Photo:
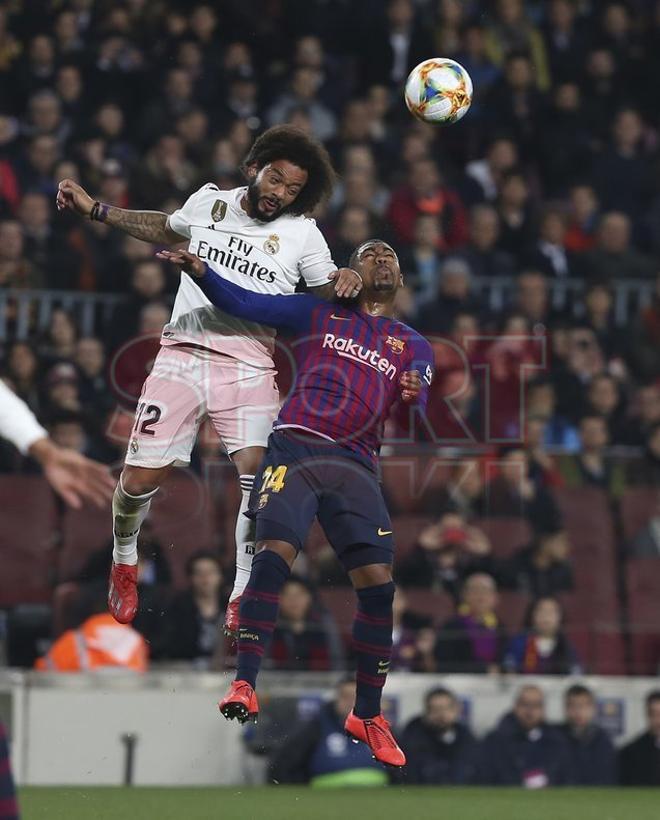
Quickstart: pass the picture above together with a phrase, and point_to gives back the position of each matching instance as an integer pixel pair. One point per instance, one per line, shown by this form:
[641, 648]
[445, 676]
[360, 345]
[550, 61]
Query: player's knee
[371, 575]
[285, 551]
[140, 480]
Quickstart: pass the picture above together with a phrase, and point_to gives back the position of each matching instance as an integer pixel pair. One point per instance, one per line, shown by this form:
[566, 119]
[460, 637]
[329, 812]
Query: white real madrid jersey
[266, 257]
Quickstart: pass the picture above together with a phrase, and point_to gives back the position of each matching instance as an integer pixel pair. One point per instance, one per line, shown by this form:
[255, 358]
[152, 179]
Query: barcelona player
[355, 364]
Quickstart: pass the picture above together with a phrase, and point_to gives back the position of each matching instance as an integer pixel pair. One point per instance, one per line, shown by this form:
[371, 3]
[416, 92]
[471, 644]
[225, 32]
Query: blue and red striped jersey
[348, 362]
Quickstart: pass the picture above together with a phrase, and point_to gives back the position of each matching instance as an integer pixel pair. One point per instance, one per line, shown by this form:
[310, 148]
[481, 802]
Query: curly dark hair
[292, 144]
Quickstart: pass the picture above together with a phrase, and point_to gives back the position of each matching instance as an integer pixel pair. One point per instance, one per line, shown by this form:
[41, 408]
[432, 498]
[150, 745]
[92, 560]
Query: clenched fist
[74, 197]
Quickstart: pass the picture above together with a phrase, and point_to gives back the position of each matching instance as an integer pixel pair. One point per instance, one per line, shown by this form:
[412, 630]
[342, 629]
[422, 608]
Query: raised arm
[277, 310]
[150, 226]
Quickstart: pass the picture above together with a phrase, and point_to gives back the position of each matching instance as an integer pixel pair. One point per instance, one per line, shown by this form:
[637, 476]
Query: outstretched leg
[130, 506]
[259, 606]
[372, 642]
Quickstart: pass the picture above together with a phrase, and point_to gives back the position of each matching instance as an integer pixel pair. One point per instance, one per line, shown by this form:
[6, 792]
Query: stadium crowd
[523, 749]
[551, 179]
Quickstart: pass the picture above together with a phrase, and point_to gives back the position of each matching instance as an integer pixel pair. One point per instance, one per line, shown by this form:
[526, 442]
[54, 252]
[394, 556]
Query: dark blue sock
[259, 605]
[372, 642]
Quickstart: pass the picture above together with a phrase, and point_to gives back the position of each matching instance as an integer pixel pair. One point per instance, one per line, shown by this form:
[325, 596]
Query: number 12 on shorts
[273, 478]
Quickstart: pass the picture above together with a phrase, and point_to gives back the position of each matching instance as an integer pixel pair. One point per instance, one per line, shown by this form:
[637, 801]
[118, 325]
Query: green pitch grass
[299, 803]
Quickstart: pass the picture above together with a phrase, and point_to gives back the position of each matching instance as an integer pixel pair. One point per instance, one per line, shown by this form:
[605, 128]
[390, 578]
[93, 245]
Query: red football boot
[240, 702]
[232, 618]
[122, 592]
[377, 734]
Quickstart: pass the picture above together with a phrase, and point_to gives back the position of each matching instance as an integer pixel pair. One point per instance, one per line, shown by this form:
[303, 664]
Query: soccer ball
[438, 91]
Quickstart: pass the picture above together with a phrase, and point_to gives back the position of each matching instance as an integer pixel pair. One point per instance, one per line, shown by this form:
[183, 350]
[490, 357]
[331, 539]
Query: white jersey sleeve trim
[17, 422]
[315, 264]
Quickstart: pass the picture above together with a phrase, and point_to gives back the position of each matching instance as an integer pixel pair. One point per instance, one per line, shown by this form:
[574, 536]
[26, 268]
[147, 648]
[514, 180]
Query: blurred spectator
[473, 641]
[565, 40]
[52, 258]
[513, 493]
[422, 262]
[646, 542]
[99, 643]
[452, 295]
[645, 415]
[305, 83]
[23, 371]
[426, 192]
[147, 285]
[591, 752]
[565, 142]
[543, 649]
[60, 340]
[446, 552]
[582, 220]
[440, 749]
[639, 760]
[514, 210]
[533, 298]
[411, 649]
[511, 31]
[605, 400]
[622, 172]
[599, 316]
[90, 360]
[16, 271]
[541, 568]
[549, 255]
[541, 403]
[62, 388]
[515, 104]
[646, 471]
[317, 751]
[613, 257]
[490, 172]
[354, 226]
[592, 467]
[524, 750]
[481, 253]
[646, 338]
[305, 637]
[393, 44]
[193, 621]
[542, 468]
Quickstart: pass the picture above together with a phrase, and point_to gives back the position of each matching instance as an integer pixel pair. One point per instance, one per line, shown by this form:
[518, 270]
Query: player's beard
[254, 195]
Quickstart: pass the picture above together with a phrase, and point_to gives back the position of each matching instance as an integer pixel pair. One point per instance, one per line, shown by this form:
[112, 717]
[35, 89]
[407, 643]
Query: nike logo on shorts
[340, 318]
[384, 532]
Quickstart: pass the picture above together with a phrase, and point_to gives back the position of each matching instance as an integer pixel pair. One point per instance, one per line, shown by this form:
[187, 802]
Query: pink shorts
[185, 386]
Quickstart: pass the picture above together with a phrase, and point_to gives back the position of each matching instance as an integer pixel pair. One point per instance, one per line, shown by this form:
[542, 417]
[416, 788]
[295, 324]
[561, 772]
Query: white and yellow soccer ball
[438, 91]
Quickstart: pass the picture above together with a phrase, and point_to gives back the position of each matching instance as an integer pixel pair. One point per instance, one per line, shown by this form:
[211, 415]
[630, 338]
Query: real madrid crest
[272, 244]
[134, 446]
[218, 210]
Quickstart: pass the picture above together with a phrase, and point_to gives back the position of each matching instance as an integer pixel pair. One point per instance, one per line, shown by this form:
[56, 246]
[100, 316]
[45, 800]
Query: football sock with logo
[372, 642]
[259, 605]
[128, 513]
[244, 539]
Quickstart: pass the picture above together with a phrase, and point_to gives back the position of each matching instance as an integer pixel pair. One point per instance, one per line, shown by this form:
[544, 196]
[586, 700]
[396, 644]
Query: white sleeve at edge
[315, 263]
[17, 422]
[183, 218]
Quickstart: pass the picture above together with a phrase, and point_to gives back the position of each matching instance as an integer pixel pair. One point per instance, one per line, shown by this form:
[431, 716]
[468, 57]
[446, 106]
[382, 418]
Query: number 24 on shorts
[273, 478]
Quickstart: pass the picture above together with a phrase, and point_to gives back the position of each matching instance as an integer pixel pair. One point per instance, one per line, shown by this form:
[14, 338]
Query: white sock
[128, 513]
[244, 539]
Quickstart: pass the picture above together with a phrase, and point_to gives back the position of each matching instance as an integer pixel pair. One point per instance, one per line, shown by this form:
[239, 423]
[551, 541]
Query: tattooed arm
[151, 226]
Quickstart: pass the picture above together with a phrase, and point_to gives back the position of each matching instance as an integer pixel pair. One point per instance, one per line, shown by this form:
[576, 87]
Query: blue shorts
[304, 476]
